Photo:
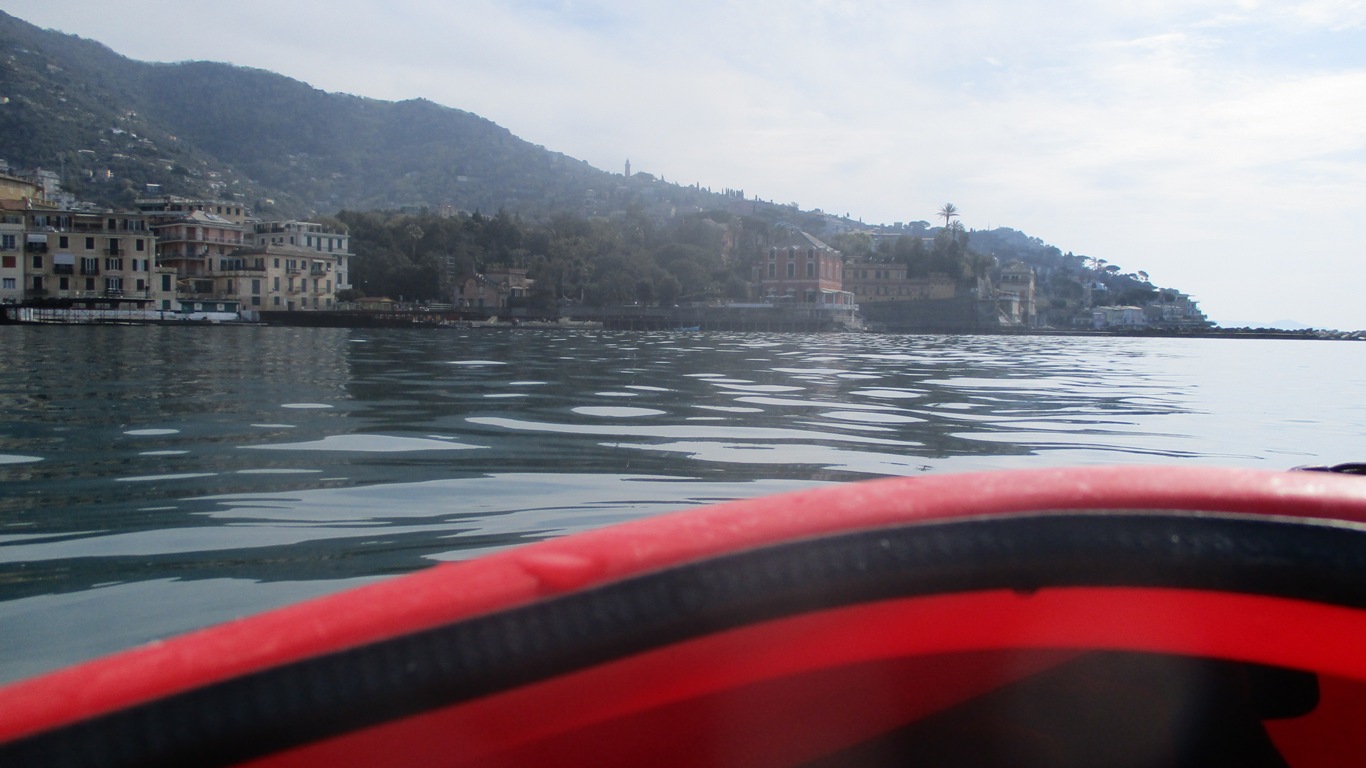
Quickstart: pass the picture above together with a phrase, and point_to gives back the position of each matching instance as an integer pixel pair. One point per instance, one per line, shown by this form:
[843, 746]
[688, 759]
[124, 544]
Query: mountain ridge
[115, 125]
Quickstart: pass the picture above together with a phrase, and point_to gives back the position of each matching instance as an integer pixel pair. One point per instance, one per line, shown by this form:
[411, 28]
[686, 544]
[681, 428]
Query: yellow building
[310, 236]
[279, 278]
[93, 256]
[874, 281]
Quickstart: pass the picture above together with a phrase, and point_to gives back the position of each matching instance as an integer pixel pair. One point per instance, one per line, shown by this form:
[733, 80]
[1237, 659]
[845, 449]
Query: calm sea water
[158, 479]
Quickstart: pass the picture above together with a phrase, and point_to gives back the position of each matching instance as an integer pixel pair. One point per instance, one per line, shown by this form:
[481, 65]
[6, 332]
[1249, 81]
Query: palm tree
[949, 211]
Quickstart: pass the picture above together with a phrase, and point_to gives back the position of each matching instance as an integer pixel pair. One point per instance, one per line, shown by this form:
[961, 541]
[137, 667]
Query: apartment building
[279, 278]
[309, 236]
[17, 196]
[93, 256]
[11, 256]
[168, 207]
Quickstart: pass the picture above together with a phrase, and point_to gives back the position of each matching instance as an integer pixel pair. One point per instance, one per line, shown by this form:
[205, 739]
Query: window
[37, 262]
[277, 277]
[9, 262]
[277, 266]
[791, 269]
[141, 245]
[256, 301]
[8, 243]
[113, 285]
[165, 282]
[256, 287]
[810, 269]
[64, 283]
[90, 243]
[113, 264]
[9, 284]
[277, 301]
[63, 242]
[90, 283]
[37, 282]
[142, 285]
[772, 269]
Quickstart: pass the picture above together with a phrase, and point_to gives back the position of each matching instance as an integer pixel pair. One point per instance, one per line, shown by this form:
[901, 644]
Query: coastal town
[173, 259]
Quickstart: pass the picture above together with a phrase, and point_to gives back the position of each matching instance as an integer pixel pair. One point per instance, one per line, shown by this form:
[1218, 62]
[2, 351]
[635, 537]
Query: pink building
[804, 270]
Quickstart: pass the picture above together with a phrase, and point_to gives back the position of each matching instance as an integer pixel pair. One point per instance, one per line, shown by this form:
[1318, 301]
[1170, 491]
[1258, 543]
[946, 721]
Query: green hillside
[112, 125]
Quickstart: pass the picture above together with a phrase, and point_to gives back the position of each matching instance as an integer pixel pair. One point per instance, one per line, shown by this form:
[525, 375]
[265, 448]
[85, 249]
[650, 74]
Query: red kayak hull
[1000, 579]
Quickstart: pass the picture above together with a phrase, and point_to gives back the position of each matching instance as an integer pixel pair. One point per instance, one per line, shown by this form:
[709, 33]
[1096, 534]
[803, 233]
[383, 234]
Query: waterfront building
[803, 269]
[11, 256]
[278, 278]
[1118, 317]
[1175, 310]
[493, 290]
[98, 258]
[16, 196]
[1015, 296]
[193, 244]
[194, 239]
[872, 282]
[312, 236]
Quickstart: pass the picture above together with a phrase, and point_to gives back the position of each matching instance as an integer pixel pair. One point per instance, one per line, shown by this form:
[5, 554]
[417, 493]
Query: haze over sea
[158, 479]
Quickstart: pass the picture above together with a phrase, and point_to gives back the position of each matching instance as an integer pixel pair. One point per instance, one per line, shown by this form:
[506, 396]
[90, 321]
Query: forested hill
[112, 125]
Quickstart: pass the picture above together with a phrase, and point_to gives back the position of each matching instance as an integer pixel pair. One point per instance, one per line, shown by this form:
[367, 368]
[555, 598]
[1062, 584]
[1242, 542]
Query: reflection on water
[179, 473]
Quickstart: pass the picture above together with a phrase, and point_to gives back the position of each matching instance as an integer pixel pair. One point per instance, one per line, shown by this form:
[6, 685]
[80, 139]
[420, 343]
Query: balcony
[171, 237]
[43, 293]
[180, 256]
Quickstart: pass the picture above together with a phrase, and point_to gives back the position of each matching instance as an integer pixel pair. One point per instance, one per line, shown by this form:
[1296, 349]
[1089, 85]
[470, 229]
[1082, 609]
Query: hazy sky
[1220, 146]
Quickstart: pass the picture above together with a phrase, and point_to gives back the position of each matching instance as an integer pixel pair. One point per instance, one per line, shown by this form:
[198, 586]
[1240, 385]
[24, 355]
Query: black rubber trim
[319, 697]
